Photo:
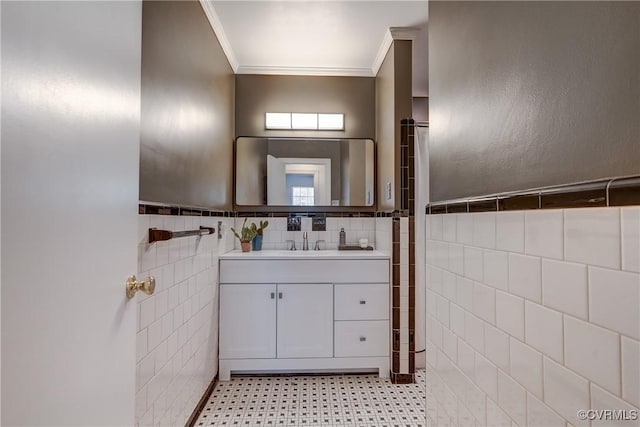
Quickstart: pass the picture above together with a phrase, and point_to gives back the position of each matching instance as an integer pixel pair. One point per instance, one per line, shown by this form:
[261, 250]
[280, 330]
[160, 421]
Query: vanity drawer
[362, 338]
[361, 302]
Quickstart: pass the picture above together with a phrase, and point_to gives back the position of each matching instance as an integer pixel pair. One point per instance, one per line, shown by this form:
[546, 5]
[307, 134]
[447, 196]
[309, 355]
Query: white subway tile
[141, 344]
[464, 293]
[436, 227]
[565, 391]
[449, 224]
[510, 314]
[525, 278]
[484, 229]
[496, 417]
[442, 310]
[145, 370]
[496, 269]
[474, 332]
[592, 236]
[436, 333]
[614, 297]
[487, 376]
[526, 366]
[564, 287]
[154, 334]
[434, 279]
[510, 231]
[543, 330]
[543, 233]
[464, 229]
[465, 417]
[449, 285]
[512, 398]
[631, 239]
[497, 347]
[473, 263]
[467, 360]
[593, 352]
[449, 344]
[456, 259]
[147, 312]
[601, 399]
[631, 370]
[456, 319]
[141, 403]
[540, 415]
[484, 302]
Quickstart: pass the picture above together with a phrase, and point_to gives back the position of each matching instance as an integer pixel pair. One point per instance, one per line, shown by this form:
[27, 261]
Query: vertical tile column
[403, 264]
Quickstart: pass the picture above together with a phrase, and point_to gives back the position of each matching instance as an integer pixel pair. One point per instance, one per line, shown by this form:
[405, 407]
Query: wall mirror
[304, 172]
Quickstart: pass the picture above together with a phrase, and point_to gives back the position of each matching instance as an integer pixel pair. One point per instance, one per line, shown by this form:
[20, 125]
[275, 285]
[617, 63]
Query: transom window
[302, 196]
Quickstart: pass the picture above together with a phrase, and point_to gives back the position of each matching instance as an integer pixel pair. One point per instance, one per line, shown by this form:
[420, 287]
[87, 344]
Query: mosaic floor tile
[316, 400]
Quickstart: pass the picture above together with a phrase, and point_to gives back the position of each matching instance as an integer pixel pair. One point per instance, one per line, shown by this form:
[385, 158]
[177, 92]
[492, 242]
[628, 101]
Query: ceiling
[338, 38]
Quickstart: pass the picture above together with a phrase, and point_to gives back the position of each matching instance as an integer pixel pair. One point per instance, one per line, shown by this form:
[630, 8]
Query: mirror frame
[287, 209]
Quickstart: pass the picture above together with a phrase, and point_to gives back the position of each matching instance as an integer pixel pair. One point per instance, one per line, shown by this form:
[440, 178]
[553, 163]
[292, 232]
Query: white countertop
[310, 254]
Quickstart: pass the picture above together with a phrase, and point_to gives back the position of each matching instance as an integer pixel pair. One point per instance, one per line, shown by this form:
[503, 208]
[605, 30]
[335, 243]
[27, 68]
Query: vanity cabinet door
[248, 321]
[305, 320]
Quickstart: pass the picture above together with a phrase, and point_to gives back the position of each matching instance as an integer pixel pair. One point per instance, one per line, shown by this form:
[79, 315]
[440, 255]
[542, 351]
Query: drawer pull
[363, 339]
[273, 295]
[362, 302]
[279, 295]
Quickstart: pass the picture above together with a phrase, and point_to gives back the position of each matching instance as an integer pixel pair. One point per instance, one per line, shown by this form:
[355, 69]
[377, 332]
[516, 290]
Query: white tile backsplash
[543, 233]
[543, 330]
[564, 287]
[549, 317]
[510, 231]
[631, 238]
[510, 314]
[614, 298]
[593, 352]
[526, 366]
[601, 399]
[565, 391]
[525, 277]
[631, 371]
[592, 236]
[177, 329]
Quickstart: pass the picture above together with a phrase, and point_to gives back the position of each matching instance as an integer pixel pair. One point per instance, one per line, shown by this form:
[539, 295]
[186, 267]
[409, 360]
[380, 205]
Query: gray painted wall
[528, 94]
[186, 154]
[258, 94]
[393, 103]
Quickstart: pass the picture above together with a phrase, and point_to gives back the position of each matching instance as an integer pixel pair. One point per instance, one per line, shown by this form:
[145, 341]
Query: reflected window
[302, 196]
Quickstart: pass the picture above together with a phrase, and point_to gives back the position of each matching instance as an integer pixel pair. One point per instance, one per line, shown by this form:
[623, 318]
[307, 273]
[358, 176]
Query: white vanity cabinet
[315, 312]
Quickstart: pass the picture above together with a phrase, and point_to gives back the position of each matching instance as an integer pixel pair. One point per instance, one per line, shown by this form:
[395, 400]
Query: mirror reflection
[304, 172]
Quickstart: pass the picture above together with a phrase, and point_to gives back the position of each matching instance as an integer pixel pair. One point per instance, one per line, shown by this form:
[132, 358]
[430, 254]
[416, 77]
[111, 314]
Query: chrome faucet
[305, 242]
[317, 246]
[293, 245]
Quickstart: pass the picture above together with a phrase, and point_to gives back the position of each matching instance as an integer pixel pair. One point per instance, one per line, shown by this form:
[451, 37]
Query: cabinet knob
[273, 295]
[363, 339]
[362, 302]
[279, 295]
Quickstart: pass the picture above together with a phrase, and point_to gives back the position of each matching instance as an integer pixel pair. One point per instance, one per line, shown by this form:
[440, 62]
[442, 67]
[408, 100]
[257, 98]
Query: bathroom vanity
[304, 311]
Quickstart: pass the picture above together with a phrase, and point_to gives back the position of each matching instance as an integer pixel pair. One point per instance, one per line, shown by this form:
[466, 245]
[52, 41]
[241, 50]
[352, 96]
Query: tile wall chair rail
[618, 191]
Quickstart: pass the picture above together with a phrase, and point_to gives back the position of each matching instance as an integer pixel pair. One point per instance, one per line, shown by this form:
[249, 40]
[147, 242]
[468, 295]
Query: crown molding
[393, 33]
[305, 71]
[404, 33]
[382, 52]
[216, 25]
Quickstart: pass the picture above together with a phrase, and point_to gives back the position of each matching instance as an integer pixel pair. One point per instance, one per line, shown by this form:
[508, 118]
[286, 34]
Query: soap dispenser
[343, 238]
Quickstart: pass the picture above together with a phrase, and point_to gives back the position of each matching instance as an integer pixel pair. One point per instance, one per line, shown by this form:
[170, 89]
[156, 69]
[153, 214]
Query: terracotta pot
[246, 246]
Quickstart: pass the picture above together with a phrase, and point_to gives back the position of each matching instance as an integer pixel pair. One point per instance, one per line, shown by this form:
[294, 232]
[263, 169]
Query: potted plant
[246, 236]
[257, 240]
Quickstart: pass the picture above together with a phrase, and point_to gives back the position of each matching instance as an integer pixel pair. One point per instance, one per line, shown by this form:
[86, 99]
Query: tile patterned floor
[322, 400]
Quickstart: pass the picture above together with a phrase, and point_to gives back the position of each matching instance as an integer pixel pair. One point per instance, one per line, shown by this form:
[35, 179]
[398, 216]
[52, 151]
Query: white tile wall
[177, 350]
[276, 234]
[544, 309]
